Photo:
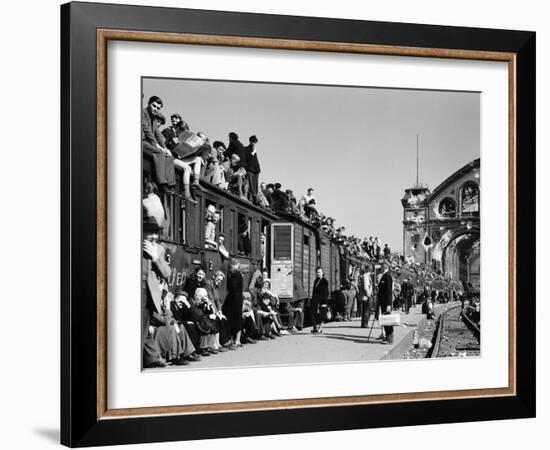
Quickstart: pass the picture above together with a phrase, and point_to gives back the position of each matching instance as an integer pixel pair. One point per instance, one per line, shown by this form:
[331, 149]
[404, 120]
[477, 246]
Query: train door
[282, 257]
[306, 270]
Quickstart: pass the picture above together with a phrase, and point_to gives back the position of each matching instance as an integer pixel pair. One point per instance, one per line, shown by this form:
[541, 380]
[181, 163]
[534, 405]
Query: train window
[221, 220]
[243, 229]
[211, 220]
[282, 242]
[183, 224]
[168, 232]
[306, 240]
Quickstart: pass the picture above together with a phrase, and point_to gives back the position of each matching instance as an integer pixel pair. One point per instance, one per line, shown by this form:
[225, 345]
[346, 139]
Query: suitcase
[390, 320]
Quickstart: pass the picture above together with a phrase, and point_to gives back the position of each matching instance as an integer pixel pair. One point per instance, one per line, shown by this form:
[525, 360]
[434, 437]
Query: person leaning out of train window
[243, 244]
[153, 143]
[213, 288]
[211, 220]
[221, 247]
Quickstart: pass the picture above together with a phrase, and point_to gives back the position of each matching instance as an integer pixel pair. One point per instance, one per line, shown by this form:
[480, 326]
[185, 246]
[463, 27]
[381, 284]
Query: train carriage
[293, 258]
[184, 233]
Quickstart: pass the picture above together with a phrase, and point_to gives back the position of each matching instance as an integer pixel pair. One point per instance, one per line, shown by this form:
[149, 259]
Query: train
[288, 247]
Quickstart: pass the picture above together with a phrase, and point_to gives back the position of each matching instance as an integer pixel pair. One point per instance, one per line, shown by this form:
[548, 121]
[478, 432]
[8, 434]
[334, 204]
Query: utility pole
[417, 185]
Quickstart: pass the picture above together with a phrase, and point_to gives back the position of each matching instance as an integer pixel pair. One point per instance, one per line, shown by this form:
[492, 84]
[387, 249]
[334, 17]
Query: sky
[356, 146]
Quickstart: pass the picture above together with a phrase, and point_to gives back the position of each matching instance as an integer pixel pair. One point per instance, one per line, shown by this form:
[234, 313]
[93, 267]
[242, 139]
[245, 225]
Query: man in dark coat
[385, 294]
[235, 147]
[252, 166]
[279, 199]
[233, 305]
[319, 299]
[407, 291]
[153, 143]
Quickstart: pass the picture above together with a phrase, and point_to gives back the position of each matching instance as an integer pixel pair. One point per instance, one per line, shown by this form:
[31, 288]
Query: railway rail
[457, 334]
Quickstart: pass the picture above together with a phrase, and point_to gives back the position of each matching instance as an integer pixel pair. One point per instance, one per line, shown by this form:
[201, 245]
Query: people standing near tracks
[385, 294]
[319, 298]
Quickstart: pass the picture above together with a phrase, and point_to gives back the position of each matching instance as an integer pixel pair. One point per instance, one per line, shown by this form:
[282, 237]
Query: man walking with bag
[385, 294]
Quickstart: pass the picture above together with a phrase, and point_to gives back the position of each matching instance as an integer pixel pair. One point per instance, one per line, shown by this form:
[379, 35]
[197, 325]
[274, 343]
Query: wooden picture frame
[85, 30]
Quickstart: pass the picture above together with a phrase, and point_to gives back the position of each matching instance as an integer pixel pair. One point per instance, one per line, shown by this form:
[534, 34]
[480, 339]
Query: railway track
[457, 334]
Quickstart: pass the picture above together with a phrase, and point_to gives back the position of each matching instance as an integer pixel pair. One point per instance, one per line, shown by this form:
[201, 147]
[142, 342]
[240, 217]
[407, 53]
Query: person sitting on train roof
[235, 175]
[215, 171]
[191, 161]
[235, 148]
[268, 193]
[280, 201]
[172, 132]
[210, 228]
[293, 203]
[311, 211]
[262, 199]
[152, 143]
[306, 198]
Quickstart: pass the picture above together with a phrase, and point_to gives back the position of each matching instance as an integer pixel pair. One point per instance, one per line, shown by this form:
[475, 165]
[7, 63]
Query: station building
[441, 227]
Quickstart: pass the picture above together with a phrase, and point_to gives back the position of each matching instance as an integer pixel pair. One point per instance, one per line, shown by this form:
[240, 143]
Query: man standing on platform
[407, 290]
[319, 298]
[385, 294]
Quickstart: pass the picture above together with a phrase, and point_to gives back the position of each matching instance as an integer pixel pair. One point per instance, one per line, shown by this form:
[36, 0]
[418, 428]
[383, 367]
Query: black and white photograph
[297, 224]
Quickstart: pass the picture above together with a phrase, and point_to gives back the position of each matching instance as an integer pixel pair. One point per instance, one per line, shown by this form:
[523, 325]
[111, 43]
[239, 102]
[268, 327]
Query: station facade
[441, 227]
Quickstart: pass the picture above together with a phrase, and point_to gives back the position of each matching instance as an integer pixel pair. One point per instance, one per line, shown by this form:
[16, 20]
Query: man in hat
[252, 166]
[153, 143]
[385, 296]
[154, 269]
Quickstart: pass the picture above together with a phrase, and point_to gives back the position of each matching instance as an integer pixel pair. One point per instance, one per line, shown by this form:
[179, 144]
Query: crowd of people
[194, 321]
[236, 168]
